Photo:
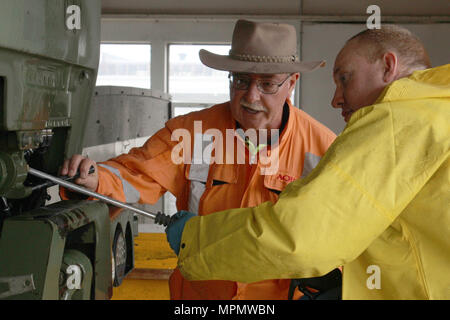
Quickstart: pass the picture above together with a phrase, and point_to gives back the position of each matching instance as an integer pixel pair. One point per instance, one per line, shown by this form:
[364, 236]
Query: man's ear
[391, 69]
[293, 79]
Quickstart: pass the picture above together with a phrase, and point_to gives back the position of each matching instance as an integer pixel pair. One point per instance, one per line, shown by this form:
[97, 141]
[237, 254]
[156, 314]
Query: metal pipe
[65, 178]
[84, 191]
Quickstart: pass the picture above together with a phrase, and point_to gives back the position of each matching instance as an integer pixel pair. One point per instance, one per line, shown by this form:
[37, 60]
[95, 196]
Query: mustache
[254, 106]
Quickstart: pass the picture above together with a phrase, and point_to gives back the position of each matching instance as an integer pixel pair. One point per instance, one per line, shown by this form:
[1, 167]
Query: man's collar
[285, 117]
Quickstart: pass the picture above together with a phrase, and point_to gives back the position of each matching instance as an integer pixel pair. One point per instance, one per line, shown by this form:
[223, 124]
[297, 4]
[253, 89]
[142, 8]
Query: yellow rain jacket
[377, 203]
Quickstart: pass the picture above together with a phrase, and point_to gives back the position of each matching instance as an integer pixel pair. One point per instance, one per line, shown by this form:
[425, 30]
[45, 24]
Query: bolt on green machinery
[77, 249]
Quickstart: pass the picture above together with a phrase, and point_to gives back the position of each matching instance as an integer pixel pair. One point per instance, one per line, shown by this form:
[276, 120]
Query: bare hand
[81, 164]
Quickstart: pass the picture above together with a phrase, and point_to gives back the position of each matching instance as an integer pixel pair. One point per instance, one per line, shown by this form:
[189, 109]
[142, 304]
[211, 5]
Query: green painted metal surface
[47, 74]
[35, 243]
[49, 53]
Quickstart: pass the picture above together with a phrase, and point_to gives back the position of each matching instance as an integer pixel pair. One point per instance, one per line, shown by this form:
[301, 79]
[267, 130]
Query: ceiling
[279, 7]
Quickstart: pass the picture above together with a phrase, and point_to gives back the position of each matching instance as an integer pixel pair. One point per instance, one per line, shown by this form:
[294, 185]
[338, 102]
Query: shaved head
[370, 61]
[373, 43]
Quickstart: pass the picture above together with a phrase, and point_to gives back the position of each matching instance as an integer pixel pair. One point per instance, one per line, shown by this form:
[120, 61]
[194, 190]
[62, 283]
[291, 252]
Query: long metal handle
[84, 191]
[65, 178]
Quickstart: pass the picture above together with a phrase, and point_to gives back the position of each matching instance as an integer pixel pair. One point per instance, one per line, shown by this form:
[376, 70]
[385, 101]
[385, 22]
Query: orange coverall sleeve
[145, 173]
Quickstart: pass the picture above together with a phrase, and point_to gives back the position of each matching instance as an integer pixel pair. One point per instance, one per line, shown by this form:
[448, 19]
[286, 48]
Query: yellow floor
[132, 289]
[151, 251]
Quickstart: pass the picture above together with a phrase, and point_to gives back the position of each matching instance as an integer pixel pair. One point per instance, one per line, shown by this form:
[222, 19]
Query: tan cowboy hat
[259, 47]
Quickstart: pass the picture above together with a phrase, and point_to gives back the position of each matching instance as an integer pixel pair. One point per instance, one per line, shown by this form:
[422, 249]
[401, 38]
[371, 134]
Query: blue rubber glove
[175, 229]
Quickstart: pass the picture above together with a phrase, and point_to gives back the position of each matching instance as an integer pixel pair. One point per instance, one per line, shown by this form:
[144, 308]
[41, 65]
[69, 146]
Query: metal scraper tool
[159, 217]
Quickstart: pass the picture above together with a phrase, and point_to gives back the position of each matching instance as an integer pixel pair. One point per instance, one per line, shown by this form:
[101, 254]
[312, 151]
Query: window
[126, 65]
[180, 109]
[194, 86]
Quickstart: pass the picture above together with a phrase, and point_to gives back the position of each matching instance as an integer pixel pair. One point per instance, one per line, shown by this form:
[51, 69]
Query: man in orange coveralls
[240, 153]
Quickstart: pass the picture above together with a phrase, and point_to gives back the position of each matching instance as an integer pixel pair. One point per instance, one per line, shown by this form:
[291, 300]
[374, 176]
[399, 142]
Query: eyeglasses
[241, 82]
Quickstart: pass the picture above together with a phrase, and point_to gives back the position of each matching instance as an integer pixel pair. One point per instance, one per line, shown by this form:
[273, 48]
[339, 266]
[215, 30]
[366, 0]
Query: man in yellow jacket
[235, 154]
[378, 202]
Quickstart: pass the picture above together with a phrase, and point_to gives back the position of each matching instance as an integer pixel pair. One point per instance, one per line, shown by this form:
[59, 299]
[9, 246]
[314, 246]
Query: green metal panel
[25, 249]
[48, 72]
[38, 27]
[34, 244]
